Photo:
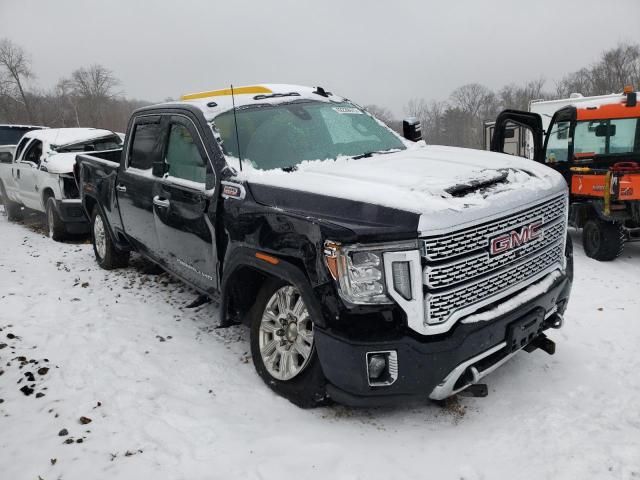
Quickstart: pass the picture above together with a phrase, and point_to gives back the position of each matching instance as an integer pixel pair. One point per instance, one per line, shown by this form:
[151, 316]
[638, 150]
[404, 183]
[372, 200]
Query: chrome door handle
[161, 202]
[121, 188]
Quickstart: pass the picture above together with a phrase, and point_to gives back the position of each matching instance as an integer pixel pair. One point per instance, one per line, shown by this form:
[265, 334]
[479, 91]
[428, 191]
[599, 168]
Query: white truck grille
[460, 274]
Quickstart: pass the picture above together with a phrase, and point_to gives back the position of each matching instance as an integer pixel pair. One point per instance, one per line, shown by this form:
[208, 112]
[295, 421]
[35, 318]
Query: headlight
[360, 273]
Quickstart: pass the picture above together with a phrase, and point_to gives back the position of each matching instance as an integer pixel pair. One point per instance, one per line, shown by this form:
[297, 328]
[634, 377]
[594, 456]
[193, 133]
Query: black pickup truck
[369, 267]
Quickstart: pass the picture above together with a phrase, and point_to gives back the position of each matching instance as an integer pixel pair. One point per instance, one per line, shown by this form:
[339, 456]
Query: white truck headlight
[360, 272]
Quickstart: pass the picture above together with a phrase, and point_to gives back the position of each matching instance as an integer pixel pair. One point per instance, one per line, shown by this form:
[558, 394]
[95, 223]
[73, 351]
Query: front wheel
[282, 346]
[602, 240]
[57, 230]
[107, 255]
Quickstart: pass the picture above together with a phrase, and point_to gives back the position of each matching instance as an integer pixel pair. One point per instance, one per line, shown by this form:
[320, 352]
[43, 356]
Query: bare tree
[518, 97]
[380, 113]
[17, 67]
[616, 68]
[91, 89]
[473, 99]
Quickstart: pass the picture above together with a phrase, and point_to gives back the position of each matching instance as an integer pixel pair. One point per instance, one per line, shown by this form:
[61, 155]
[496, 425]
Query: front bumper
[72, 215]
[428, 366]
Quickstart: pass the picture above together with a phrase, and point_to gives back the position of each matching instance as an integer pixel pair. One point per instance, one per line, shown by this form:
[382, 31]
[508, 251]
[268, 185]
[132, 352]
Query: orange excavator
[596, 147]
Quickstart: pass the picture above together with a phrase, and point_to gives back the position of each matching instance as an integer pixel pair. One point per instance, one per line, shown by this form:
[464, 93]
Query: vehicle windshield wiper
[375, 152]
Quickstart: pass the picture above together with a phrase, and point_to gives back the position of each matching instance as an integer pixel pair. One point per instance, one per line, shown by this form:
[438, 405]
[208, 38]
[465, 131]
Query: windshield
[284, 135]
[12, 135]
[600, 137]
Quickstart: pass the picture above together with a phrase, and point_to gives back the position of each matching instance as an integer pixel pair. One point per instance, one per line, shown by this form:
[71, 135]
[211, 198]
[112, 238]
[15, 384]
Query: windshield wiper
[375, 152]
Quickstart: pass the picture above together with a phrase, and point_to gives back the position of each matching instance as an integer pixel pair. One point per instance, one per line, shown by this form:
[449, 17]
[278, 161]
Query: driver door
[184, 222]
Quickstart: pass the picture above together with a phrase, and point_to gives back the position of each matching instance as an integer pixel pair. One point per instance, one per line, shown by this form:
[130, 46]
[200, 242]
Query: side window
[183, 157]
[34, 152]
[558, 143]
[146, 146]
[587, 141]
[20, 147]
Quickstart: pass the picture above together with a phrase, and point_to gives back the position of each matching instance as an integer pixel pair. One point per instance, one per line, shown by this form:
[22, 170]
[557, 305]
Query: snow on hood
[420, 179]
[60, 162]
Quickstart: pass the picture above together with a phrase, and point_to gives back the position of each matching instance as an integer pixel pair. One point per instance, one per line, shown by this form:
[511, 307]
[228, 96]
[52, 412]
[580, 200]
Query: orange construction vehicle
[596, 147]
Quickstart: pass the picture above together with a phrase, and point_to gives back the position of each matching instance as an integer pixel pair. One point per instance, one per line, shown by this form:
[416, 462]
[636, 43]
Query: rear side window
[146, 146]
[183, 157]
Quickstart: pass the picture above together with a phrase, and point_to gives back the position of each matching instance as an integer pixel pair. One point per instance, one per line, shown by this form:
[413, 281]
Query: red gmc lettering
[515, 238]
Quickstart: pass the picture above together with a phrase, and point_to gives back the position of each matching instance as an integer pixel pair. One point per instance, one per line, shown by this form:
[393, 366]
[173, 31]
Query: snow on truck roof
[215, 102]
[66, 136]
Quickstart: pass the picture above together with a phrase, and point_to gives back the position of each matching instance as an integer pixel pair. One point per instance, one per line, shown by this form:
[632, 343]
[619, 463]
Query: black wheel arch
[244, 275]
[90, 203]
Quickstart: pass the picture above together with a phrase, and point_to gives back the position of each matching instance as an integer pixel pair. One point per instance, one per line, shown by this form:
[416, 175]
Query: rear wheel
[282, 347]
[107, 255]
[57, 230]
[602, 240]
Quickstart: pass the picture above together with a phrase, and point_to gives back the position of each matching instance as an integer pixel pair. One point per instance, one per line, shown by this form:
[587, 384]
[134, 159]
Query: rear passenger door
[185, 229]
[135, 183]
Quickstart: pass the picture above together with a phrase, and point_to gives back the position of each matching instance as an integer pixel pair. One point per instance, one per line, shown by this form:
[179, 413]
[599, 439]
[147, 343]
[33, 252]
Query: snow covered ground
[170, 396]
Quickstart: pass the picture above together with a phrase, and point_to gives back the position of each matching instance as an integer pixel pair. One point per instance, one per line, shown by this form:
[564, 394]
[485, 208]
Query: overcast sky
[382, 52]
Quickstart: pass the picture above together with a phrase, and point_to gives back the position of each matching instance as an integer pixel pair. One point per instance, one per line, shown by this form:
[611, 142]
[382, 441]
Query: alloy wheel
[286, 334]
[99, 236]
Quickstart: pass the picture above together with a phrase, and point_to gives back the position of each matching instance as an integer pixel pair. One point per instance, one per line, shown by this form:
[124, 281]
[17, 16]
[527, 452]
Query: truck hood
[58, 163]
[430, 181]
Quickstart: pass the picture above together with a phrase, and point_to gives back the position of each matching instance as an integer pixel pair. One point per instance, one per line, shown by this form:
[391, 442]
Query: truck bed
[97, 174]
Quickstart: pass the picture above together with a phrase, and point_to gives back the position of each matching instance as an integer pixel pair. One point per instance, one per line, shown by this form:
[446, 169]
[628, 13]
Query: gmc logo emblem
[515, 238]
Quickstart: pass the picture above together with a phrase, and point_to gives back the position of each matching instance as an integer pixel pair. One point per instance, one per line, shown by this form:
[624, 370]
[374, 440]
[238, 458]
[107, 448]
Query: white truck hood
[58, 163]
[423, 180]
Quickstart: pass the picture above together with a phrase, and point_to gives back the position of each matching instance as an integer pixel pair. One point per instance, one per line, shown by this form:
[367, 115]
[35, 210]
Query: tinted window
[183, 157]
[20, 147]
[11, 135]
[34, 152]
[284, 135]
[146, 146]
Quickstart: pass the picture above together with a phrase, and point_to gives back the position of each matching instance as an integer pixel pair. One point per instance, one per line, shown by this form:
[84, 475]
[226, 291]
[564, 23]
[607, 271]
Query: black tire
[57, 230]
[568, 252]
[111, 257]
[307, 389]
[602, 240]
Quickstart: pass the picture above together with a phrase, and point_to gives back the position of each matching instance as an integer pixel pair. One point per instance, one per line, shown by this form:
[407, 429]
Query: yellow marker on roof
[227, 91]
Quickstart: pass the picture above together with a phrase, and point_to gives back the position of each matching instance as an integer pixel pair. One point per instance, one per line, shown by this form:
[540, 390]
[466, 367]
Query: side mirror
[412, 129]
[6, 157]
[158, 169]
[605, 130]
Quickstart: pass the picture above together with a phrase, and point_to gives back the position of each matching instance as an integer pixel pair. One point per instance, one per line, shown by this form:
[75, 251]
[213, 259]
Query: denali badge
[515, 238]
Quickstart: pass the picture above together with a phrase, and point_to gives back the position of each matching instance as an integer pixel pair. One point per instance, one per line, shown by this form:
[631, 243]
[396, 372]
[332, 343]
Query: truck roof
[13, 125]
[66, 136]
[214, 102]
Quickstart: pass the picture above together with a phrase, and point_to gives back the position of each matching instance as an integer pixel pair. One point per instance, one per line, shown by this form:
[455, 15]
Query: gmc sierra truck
[369, 267]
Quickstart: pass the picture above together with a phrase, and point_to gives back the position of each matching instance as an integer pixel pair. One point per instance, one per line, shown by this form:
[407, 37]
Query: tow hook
[543, 343]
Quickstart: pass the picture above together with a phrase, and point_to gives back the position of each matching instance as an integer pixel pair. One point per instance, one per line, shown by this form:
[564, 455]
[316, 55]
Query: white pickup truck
[40, 176]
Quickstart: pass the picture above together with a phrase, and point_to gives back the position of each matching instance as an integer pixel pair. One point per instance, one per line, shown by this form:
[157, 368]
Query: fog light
[377, 365]
[382, 368]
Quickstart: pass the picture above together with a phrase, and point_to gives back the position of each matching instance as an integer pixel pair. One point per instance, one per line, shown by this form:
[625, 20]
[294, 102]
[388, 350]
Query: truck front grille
[460, 275]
